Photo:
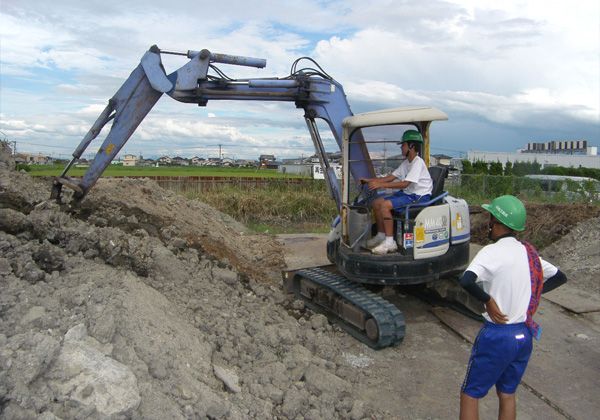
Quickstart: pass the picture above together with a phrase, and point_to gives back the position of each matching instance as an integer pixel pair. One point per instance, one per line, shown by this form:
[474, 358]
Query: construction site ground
[421, 378]
[140, 304]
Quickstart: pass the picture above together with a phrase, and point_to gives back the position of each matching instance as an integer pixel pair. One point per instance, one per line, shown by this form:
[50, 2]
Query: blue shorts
[400, 198]
[499, 357]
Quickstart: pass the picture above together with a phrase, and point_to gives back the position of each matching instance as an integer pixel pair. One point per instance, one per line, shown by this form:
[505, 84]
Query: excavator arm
[310, 89]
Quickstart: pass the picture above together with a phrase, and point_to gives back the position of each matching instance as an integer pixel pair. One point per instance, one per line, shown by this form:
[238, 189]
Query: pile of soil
[546, 222]
[140, 304]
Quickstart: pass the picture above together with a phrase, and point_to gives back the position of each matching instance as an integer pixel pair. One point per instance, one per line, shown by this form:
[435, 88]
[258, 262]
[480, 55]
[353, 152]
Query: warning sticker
[408, 240]
[420, 234]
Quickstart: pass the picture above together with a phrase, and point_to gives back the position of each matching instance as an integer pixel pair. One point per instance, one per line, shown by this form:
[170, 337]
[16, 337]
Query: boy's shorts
[499, 357]
[400, 198]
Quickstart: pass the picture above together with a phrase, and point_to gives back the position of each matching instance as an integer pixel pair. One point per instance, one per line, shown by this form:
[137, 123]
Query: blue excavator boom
[310, 89]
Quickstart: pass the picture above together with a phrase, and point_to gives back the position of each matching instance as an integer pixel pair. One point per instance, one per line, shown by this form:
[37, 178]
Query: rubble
[140, 304]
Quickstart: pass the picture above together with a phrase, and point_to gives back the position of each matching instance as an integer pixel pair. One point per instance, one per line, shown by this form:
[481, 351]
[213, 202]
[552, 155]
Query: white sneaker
[374, 241]
[385, 247]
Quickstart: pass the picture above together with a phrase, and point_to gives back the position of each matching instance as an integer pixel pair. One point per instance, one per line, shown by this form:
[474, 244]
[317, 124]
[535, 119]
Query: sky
[506, 73]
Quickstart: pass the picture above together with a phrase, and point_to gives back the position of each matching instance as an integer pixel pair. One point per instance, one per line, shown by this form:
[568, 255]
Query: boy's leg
[508, 406]
[386, 218]
[377, 212]
[469, 407]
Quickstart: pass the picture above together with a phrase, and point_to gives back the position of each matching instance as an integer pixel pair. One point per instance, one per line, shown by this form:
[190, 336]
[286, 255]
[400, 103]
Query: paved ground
[421, 378]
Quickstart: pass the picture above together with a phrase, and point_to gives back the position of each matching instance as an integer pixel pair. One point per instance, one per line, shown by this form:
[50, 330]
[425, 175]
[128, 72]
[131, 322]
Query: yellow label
[420, 234]
[109, 148]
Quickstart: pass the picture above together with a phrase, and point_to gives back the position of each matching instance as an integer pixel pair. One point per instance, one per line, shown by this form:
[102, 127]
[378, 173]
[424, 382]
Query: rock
[294, 402]
[318, 322]
[35, 355]
[229, 378]
[35, 317]
[227, 276]
[358, 410]
[319, 381]
[83, 375]
[49, 257]
[12, 221]
[5, 267]
[104, 327]
[7, 162]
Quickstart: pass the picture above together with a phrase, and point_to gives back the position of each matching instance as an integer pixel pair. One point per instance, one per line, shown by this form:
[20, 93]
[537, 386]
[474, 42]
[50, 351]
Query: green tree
[526, 168]
[496, 168]
[467, 168]
[508, 169]
[480, 167]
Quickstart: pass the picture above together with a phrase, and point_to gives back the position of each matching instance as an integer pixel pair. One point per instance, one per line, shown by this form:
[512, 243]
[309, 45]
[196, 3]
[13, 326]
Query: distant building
[164, 160]
[146, 162]
[570, 147]
[129, 160]
[303, 169]
[181, 161]
[197, 161]
[29, 159]
[244, 162]
[440, 160]
[569, 154]
[266, 159]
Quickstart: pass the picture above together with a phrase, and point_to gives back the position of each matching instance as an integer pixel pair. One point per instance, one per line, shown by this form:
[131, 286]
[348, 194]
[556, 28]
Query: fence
[473, 188]
[199, 184]
[480, 188]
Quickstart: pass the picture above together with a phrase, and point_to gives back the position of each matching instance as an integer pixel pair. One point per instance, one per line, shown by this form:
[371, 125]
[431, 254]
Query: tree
[467, 168]
[496, 168]
[480, 167]
[508, 169]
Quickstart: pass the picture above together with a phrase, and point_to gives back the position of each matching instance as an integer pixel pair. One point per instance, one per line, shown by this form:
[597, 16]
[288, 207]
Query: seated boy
[415, 183]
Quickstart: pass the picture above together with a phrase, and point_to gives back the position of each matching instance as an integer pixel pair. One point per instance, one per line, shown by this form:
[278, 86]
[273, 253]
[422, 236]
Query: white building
[129, 160]
[569, 154]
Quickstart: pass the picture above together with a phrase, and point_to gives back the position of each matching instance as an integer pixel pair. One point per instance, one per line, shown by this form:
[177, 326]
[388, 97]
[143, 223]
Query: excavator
[432, 237]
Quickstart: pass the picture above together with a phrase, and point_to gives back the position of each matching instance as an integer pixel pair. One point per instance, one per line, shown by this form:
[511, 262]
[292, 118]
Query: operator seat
[438, 176]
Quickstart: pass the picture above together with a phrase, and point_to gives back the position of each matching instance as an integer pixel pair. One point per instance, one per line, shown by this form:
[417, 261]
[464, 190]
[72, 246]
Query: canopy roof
[412, 114]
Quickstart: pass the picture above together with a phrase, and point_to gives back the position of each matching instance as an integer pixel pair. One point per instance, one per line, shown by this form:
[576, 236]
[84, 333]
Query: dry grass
[279, 207]
[546, 222]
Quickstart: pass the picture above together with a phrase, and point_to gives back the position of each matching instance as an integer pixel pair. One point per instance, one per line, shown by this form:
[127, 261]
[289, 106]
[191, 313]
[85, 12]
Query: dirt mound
[546, 222]
[140, 304]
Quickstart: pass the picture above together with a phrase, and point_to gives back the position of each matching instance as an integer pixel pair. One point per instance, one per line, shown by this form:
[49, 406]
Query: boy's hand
[495, 313]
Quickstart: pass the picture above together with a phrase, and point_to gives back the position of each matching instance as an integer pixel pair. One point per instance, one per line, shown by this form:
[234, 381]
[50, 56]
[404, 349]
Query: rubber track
[389, 319]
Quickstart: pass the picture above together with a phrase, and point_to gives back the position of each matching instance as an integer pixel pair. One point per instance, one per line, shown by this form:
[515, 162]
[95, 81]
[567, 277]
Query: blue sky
[506, 73]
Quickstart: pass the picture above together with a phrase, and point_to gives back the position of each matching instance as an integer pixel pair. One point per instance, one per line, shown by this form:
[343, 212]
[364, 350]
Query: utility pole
[220, 160]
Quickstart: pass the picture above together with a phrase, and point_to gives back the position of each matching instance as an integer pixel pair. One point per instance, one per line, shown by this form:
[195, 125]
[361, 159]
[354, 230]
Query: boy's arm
[468, 282]
[555, 281]
[384, 182]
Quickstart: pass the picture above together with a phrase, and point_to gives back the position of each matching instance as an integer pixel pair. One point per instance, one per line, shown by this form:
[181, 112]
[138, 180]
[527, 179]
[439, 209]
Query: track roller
[361, 313]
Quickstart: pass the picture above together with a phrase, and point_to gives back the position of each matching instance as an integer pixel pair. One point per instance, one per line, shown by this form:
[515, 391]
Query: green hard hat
[412, 135]
[509, 210]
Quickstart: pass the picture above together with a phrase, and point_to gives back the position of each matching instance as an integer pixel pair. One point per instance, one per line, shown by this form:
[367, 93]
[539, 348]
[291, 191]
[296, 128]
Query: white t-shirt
[417, 173]
[503, 270]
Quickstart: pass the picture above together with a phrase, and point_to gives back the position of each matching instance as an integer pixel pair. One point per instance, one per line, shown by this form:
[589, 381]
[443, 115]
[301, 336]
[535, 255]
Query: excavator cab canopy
[402, 115]
[373, 138]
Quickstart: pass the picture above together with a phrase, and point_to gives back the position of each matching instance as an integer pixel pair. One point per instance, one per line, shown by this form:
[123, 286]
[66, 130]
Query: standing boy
[513, 277]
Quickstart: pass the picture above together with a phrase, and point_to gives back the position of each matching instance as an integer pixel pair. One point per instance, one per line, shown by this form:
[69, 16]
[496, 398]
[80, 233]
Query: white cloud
[527, 64]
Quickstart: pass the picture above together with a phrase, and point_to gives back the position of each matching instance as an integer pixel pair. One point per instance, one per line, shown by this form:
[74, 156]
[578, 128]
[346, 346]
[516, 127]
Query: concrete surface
[421, 378]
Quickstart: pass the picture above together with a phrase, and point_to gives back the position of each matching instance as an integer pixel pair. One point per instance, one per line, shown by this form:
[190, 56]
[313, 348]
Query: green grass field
[118, 170]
